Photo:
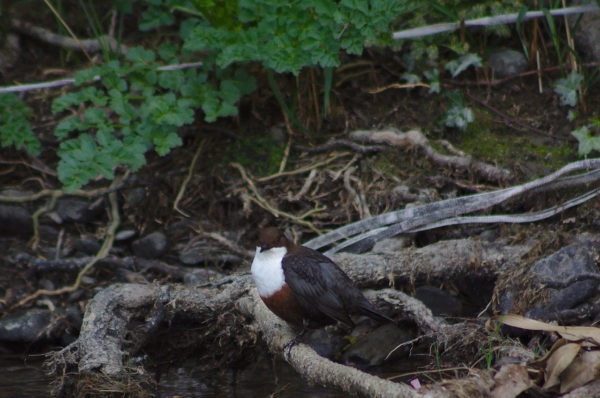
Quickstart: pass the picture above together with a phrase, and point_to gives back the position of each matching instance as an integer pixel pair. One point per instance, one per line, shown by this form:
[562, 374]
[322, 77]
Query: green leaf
[457, 66]
[140, 55]
[587, 141]
[15, 129]
[155, 17]
[568, 87]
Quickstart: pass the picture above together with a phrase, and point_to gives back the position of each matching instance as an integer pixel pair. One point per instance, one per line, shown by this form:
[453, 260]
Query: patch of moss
[261, 154]
[485, 141]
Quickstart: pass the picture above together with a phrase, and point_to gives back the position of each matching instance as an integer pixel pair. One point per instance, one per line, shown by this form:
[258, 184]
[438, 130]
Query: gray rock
[326, 344]
[135, 196]
[88, 246]
[438, 301]
[48, 233]
[78, 210]
[507, 62]
[587, 34]
[373, 349]
[25, 327]
[201, 254]
[201, 276]
[578, 258]
[15, 221]
[192, 255]
[153, 245]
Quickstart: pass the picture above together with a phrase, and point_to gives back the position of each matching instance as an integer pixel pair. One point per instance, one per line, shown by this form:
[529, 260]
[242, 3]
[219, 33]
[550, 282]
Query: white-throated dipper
[304, 287]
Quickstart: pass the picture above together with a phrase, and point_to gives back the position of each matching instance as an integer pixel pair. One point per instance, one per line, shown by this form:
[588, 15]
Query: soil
[516, 127]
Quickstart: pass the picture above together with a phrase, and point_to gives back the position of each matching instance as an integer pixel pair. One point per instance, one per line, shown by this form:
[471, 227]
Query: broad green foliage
[15, 129]
[124, 108]
[458, 115]
[459, 65]
[135, 108]
[288, 36]
[568, 87]
[588, 141]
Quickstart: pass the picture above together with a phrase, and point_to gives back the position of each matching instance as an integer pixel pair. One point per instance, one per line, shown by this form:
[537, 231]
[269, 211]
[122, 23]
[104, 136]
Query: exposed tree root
[105, 341]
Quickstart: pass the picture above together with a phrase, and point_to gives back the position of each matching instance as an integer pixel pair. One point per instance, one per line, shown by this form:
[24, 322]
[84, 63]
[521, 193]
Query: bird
[304, 287]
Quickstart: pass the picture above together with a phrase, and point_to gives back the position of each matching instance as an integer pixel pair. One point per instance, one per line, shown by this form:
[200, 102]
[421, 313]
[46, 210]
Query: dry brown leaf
[510, 381]
[571, 333]
[585, 368]
[560, 359]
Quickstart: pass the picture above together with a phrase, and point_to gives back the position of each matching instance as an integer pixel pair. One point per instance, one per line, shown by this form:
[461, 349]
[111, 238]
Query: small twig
[59, 192]
[35, 217]
[85, 45]
[488, 21]
[306, 186]
[187, 179]
[65, 82]
[66, 26]
[511, 121]
[103, 252]
[397, 85]
[286, 154]
[358, 198]
[262, 202]
[492, 83]
[341, 143]
[59, 242]
[303, 169]
[224, 241]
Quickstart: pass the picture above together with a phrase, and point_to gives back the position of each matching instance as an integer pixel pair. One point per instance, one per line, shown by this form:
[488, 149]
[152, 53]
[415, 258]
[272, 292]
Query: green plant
[15, 129]
[134, 109]
[588, 137]
[567, 88]
[459, 65]
[288, 36]
[458, 115]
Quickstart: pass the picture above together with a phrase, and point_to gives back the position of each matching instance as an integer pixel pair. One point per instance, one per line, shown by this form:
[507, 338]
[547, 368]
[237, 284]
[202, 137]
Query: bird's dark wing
[318, 283]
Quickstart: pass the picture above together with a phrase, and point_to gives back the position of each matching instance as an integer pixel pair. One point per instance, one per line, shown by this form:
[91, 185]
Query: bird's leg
[287, 348]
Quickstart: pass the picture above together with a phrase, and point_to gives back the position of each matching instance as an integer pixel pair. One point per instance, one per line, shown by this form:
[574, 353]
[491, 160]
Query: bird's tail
[373, 313]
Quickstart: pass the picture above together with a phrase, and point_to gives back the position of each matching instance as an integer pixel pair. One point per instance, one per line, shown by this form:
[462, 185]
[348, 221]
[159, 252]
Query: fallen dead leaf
[510, 381]
[560, 360]
[585, 368]
[590, 334]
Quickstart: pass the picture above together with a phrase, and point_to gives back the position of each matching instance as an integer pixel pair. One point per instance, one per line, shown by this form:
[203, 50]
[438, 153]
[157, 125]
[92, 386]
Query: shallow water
[24, 378]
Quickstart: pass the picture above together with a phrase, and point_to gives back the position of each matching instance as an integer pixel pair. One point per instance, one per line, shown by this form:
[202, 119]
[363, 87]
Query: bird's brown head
[271, 237]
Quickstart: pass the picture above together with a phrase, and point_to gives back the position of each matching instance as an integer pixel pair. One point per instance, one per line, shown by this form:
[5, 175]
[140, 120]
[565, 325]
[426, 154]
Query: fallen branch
[488, 21]
[443, 212]
[313, 367]
[71, 43]
[415, 138]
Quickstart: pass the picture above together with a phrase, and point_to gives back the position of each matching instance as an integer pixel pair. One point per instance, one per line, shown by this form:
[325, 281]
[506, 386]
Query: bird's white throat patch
[267, 270]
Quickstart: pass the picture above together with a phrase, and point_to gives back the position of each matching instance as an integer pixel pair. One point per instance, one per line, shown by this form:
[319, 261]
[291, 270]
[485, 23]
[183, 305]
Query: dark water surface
[24, 378]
